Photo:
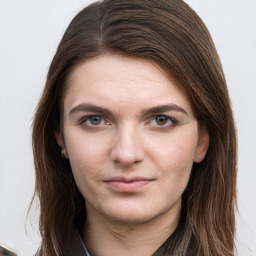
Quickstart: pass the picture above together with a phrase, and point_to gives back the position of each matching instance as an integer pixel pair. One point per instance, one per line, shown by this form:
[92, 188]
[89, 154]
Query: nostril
[126, 148]
[127, 154]
[124, 157]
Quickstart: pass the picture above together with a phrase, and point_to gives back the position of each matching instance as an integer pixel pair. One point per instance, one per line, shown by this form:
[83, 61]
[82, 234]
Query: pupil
[161, 120]
[95, 120]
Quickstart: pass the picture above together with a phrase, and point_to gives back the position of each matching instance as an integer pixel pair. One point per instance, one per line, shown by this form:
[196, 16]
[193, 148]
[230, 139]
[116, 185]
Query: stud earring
[64, 153]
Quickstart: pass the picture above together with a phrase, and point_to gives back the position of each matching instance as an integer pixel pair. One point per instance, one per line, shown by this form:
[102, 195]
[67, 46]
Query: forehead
[122, 81]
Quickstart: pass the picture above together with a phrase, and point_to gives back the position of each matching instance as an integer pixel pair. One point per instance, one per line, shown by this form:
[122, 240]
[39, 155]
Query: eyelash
[170, 120]
[85, 119]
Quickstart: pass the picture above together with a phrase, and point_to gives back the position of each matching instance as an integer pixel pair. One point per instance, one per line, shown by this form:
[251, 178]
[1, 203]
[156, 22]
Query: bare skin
[131, 137]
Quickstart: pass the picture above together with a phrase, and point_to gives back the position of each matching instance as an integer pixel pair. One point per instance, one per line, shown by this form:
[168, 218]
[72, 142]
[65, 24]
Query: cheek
[87, 157]
[86, 154]
[174, 159]
[175, 149]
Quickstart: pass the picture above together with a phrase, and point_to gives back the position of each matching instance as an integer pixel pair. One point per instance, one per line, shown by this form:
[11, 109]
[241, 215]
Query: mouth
[125, 184]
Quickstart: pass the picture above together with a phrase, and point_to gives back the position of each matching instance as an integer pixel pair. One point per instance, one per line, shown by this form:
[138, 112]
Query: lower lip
[132, 186]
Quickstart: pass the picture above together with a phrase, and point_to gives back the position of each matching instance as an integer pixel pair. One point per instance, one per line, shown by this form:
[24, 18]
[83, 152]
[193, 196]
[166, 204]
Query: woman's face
[131, 138]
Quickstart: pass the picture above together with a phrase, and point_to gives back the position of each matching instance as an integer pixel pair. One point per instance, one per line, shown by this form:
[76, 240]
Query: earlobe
[64, 153]
[61, 143]
[202, 145]
[59, 139]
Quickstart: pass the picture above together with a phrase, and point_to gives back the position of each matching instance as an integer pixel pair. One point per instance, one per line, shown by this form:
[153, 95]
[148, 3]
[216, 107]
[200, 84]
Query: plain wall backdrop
[29, 34]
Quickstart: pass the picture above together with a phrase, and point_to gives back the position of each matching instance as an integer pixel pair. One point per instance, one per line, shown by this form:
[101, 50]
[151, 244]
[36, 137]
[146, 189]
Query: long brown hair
[169, 33]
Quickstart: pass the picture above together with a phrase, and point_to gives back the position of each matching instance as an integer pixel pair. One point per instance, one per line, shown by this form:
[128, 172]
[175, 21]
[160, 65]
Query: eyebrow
[165, 108]
[88, 107]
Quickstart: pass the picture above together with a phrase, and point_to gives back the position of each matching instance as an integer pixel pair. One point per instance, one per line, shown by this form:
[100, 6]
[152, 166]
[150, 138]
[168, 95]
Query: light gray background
[29, 33]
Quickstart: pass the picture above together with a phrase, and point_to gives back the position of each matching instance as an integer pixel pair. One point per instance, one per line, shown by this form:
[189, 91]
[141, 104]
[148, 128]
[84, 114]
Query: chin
[132, 216]
[132, 220]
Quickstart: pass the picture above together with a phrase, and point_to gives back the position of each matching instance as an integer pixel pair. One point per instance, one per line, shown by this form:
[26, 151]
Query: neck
[105, 237]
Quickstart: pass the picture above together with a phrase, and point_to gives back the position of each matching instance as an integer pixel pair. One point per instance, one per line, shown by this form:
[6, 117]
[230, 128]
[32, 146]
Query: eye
[94, 120]
[163, 121]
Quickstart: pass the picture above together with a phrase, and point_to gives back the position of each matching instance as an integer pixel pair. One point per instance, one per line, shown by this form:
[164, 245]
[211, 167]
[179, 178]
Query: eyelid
[173, 121]
[163, 114]
[85, 118]
[151, 118]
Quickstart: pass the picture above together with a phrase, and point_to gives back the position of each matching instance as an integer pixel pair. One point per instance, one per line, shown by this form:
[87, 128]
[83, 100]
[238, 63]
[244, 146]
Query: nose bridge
[127, 148]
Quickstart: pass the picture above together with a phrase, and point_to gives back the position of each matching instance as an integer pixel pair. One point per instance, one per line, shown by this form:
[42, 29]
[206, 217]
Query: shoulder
[74, 245]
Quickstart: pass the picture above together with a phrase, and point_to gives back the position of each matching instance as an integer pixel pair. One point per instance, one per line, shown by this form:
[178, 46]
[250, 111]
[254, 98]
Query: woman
[134, 139]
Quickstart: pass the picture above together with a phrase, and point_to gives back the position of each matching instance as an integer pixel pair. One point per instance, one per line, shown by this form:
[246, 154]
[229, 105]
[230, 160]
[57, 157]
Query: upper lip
[127, 179]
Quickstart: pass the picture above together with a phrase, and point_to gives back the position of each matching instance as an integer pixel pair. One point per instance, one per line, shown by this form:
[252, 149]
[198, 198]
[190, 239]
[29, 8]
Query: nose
[127, 148]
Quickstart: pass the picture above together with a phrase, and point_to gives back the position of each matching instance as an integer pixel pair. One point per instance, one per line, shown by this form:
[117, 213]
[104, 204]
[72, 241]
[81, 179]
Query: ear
[60, 139]
[202, 145]
[61, 143]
